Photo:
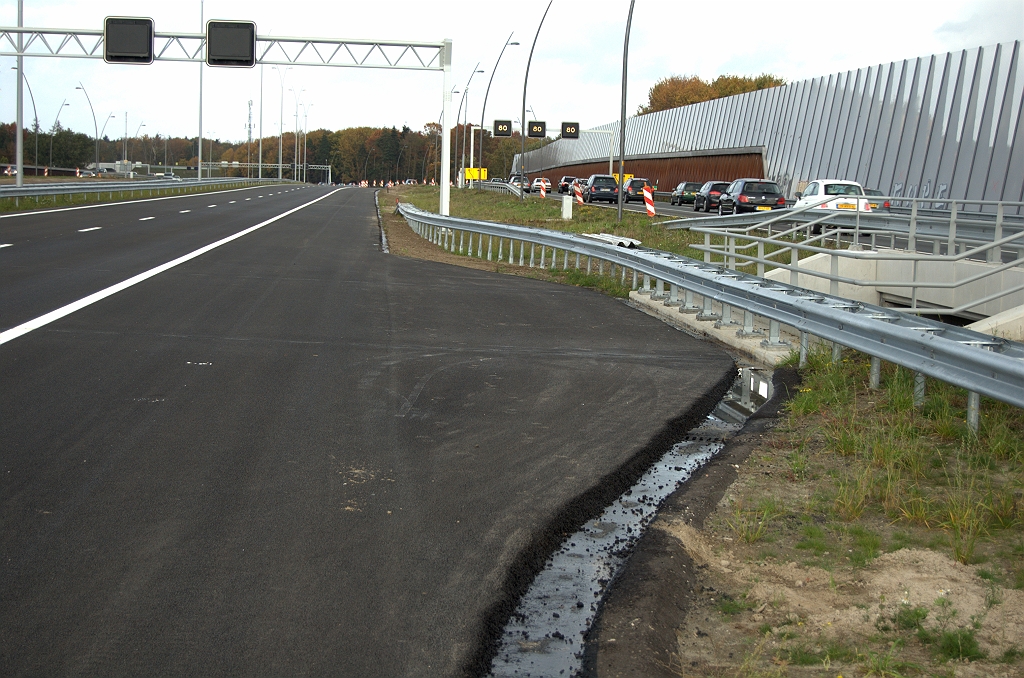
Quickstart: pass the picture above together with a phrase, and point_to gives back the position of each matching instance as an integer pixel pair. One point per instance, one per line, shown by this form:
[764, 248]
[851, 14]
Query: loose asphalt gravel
[294, 454]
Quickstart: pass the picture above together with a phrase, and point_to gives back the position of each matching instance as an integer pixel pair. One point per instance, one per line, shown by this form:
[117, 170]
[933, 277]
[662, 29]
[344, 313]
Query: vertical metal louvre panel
[947, 126]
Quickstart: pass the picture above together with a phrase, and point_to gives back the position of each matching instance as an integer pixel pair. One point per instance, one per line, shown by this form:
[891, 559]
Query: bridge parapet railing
[765, 241]
[980, 363]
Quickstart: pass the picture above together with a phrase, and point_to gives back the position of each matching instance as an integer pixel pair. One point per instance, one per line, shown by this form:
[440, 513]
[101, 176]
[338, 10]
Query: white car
[537, 183]
[837, 193]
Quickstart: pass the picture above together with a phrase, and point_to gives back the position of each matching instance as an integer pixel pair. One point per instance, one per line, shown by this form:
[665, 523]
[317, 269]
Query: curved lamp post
[35, 114]
[95, 127]
[483, 110]
[622, 118]
[526, 78]
[53, 130]
[465, 91]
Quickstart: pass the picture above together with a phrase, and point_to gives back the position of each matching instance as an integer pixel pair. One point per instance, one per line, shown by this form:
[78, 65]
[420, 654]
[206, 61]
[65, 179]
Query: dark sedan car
[635, 190]
[751, 195]
[601, 187]
[685, 193]
[564, 183]
[708, 195]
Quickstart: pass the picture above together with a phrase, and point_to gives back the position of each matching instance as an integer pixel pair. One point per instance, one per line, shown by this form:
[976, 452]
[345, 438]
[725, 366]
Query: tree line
[683, 90]
[355, 154]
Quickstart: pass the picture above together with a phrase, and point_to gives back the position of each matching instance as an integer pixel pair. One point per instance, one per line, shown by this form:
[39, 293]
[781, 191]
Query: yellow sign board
[618, 177]
[476, 173]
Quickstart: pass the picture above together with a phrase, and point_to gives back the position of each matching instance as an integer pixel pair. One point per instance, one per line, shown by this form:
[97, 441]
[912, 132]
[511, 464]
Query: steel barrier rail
[977, 362]
[68, 188]
[499, 188]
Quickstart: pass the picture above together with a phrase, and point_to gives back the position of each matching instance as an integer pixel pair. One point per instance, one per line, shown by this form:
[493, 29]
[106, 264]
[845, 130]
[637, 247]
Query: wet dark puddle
[546, 633]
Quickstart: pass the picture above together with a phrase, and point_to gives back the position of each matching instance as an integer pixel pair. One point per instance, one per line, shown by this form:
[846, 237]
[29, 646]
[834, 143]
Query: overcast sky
[575, 75]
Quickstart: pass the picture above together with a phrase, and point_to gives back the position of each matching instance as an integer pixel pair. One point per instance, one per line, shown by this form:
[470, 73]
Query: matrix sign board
[502, 128]
[231, 43]
[570, 130]
[536, 129]
[127, 40]
[476, 173]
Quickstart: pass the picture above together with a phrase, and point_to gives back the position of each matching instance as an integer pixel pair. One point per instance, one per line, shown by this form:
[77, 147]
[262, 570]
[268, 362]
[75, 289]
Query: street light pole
[141, 125]
[202, 28]
[95, 127]
[622, 119]
[260, 161]
[35, 116]
[19, 145]
[465, 93]
[526, 78]
[488, 93]
[53, 130]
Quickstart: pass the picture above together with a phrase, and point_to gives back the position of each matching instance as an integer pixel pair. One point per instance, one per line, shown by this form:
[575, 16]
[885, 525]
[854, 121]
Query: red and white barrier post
[649, 201]
[579, 194]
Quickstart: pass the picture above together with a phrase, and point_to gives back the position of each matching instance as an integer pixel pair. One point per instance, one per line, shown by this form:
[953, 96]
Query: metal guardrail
[121, 187]
[990, 238]
[496, 187]
[977, 362]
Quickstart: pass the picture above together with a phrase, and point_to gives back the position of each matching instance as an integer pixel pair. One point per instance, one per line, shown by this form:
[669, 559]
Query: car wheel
[696, 207]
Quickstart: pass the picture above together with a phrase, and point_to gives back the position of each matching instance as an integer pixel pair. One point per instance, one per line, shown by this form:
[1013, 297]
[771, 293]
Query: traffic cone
[649, 201]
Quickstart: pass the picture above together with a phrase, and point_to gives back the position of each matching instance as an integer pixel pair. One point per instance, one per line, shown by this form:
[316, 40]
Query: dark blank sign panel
[127, 40]
[536, 129]
[502, 128]
[231, 43]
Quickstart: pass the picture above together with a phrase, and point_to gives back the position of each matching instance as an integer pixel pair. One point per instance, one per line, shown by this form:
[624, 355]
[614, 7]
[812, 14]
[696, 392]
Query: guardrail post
[565, 260]
[600, 266]
[732, 252]
[673, 295]
[726, 320]
[531, 254]
[708, 312]
[522, 250]
[837, 351]
[760, 256]
[646, 287]
[995, 254]
[707, 248]
[480, 246]
[833, 284]
[659, 289]
[623, 269]
[951, 238]
[501, 245]
[803, 350]
[973, 409]
[489, 239]
[688, 305]
[912, 237]
[748, 326]
[875, 380]
[542, 248]
[745, 389]
[918, 389]
[774, 339]
[511, 251]
[577, 261]
[794, 261]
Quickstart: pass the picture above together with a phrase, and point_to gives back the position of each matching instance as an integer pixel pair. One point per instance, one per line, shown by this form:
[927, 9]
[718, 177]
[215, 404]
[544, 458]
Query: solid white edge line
[128, 202]
[9, 244]
[59, 313]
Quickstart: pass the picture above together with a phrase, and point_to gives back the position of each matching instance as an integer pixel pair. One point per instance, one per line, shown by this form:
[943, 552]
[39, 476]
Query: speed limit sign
[502, 128]
[570, 130]
[537, 129]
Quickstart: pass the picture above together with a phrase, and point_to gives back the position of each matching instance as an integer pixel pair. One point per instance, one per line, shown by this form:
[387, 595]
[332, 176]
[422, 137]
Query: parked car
[751, 195]
[535, 186]
[685, 193]
[708, 195]
[838, 194]
[635, 190]
[876, 204]
[601, 187]
[564, 183]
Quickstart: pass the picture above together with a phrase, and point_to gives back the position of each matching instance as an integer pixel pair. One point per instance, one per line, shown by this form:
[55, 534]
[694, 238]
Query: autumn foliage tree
[676, 90]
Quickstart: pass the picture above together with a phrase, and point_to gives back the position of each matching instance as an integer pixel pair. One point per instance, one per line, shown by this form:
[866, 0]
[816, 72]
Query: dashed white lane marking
[183, 211]
[146, 218]
[94, 228]
[231, 202]
[8, 244]
[50, 317]
[211, 205]
[248, 198]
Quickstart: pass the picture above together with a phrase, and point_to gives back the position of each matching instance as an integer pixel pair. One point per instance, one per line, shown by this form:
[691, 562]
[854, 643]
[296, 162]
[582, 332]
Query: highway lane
[57, 256]
[295, 454]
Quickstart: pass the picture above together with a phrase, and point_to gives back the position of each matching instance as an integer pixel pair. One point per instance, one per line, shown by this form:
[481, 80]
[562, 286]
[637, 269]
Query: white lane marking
[184, 211]
[211, 205]
[94, 228]
[59, 313]
[232, 202]
[248, 198]
[146, 218]
[122, 202]
[259, 196]
[9, 244]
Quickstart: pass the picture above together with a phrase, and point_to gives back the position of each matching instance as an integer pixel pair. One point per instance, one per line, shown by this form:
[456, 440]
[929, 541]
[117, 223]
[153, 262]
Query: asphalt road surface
[293, 454]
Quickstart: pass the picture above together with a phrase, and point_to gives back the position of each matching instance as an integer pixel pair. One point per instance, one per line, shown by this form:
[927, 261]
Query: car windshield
[842, 189]
[604, 181]
[872, 191]
[691, 187]
[718, 187]
[761, 187]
